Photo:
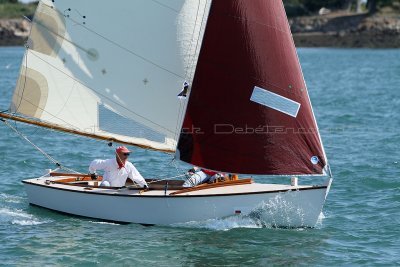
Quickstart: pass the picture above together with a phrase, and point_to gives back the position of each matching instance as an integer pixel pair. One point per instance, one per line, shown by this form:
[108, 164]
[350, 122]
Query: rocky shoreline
[331, 30]
[13, 32]
[347, 31]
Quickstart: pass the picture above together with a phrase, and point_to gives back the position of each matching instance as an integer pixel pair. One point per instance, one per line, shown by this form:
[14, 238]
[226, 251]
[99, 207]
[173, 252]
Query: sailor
[117, 170]
[198, 176]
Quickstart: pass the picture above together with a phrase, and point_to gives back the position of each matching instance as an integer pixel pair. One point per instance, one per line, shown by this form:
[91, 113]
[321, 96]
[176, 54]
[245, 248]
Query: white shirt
[117, 177]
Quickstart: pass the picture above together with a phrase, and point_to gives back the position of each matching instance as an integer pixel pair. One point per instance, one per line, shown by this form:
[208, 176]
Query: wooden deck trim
[75, 177]
[214, 185]
[69, 174]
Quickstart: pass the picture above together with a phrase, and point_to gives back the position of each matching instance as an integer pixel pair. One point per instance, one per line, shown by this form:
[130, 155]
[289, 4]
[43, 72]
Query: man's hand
[93, 176]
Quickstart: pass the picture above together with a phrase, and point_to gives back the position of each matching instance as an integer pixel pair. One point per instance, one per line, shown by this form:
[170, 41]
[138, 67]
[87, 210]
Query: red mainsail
[249, 110]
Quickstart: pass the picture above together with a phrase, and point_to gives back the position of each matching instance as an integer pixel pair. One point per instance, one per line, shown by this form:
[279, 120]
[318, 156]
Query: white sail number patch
[275, 101]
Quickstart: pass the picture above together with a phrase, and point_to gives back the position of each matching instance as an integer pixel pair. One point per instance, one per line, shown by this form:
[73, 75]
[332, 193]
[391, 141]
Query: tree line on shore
[306, 7]
[293, 7]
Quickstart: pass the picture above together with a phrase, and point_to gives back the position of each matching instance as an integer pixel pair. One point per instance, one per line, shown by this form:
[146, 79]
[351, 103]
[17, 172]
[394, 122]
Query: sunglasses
[127, 154]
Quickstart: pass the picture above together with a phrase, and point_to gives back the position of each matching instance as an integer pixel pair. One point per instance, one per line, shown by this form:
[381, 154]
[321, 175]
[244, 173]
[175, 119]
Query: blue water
[356, 98]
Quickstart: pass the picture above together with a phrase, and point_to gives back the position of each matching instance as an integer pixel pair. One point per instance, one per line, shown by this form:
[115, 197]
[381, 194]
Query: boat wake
[19, 217]
[278, 212]
[223, 224]
[10, 198]
[321, 217]
[102, 222]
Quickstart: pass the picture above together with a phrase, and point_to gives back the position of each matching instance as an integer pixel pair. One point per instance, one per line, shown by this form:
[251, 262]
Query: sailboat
[216, 84]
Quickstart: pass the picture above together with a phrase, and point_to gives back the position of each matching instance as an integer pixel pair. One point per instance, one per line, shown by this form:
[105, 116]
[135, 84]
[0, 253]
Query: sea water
[356, 99]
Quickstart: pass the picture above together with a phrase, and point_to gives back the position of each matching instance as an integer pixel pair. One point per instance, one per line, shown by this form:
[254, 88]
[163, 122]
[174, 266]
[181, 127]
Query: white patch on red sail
[275, 101]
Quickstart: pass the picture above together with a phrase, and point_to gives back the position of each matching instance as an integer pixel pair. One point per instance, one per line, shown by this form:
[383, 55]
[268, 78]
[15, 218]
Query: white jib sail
[111, 69]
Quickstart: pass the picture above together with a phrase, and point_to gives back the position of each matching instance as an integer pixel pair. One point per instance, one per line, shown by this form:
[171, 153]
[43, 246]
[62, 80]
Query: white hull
[278, 205]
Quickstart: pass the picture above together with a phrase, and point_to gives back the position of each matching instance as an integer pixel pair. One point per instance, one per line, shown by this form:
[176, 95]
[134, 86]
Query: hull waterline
[281, 205]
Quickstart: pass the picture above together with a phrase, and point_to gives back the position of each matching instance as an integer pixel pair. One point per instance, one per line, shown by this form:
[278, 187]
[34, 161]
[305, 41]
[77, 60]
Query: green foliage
[382, 3]
[295, 10]
[15, 10]
[315, 5]
[8, 1]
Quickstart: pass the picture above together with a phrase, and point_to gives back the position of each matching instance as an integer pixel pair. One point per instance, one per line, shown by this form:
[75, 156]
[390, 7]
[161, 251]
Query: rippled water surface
[356, 98]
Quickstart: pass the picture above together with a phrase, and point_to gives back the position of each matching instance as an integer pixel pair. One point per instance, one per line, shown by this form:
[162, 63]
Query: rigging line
[69, 169]
[48, 173]
[191, 41]
[101, 136]
[198, 39]
[62, 107]
[66, 133]
[182, 102]
[176, 165]
[25, 78]
[24, 68]
[35, 146]
[112, 101]
[259, 23]
[168, 161]
[125, 49]
[306, 91]
[107, 39]
[24, 137]
[66, 101]
[167, 178]
[190, 66]
[164, 5]
[177, 132]
[72, 126]
[58, 132]
[27, 100]
[60, 36]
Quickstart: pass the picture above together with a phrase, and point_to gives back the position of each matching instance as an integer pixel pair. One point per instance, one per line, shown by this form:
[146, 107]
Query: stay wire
[188, 67]
[54, 161]
[175, 164]
[167, 178]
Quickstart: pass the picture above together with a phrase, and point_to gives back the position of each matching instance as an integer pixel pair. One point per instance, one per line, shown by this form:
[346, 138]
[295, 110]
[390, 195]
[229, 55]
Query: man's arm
[97, 164]
[137, 177]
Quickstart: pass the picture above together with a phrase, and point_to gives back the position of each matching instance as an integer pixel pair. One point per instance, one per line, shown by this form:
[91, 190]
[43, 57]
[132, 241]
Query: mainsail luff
[248, 59]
